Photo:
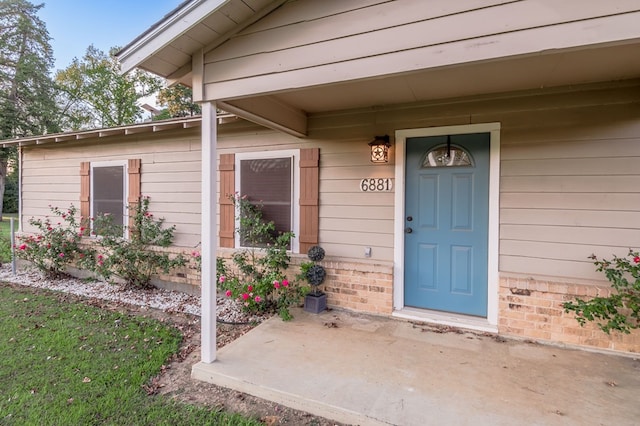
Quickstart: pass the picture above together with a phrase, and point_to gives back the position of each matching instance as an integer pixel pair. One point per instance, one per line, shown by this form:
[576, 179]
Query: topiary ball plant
[316, 253]
[315, 273]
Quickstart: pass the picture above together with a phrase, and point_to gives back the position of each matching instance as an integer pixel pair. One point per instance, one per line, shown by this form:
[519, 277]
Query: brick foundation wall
[359, 286]
[532, 309]
[362, 286]
[528, 308]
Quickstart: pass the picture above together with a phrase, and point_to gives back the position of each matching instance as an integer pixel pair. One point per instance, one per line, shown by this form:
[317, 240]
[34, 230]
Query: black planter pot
[315, 303]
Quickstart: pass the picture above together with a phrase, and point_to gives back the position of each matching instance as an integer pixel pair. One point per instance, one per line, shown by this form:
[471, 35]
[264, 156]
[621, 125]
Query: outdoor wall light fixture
[380, 149]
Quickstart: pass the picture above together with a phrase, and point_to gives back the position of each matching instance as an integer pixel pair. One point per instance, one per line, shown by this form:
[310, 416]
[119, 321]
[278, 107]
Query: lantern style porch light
[380, 149]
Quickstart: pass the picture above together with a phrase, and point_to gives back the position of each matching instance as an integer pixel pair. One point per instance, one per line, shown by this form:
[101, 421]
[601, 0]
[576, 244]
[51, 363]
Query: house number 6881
[376, 185]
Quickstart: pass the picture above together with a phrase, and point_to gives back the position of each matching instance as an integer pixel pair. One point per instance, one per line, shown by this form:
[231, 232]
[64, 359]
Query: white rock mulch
[227, 310]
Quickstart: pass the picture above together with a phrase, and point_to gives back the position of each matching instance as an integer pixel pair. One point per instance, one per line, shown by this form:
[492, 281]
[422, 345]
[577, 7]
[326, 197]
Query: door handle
[408, 230]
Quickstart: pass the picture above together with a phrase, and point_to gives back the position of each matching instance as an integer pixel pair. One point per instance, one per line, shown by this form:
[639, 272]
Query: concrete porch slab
[367, 370]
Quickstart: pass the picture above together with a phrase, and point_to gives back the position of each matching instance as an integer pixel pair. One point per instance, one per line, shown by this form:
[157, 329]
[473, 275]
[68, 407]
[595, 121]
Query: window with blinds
[108, 192]
[268, 182]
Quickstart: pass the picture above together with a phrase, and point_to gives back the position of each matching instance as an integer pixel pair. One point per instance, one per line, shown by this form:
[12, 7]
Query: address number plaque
[376, 185]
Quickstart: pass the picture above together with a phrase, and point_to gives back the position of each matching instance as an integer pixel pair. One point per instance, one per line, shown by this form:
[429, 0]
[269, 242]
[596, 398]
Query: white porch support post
[209, 226]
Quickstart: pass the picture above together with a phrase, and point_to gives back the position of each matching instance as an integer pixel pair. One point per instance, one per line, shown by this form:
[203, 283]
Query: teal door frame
[401, 137]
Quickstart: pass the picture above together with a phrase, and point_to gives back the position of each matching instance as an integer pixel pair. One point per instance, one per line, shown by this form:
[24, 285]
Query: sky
[75, 24]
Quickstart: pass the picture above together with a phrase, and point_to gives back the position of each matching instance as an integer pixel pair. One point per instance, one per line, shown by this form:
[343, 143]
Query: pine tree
[27, 92]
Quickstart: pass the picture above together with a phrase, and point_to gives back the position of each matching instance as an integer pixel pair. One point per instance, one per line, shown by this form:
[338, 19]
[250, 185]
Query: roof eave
[146, 127]
[165, 31]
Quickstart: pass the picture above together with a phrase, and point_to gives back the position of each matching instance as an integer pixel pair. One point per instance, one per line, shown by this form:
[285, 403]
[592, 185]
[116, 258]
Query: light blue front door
[446, 223]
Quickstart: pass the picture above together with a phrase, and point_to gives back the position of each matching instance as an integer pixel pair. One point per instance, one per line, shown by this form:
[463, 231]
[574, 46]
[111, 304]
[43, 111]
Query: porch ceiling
[544, 70]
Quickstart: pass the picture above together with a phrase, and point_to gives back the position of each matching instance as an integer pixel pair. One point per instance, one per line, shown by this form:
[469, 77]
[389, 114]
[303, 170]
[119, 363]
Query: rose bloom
[228, 293]
[221, 279]
[245, 296]
[285, 283]
[61, 255]
[250, 288]
[23, 247]
[636, 259]
[276, 284]
[258, 299]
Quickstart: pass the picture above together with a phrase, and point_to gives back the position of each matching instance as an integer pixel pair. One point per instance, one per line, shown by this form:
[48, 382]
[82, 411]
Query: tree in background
[27, 105]
[94, 94]
[178, 101]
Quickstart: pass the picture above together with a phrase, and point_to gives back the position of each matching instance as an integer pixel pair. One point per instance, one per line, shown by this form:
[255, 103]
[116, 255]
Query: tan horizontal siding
[578, 218]
[161, 176]
[575, 201]
[568, 172]
[551, 250]
[568, 181]
[549, 267]
[382, 29]
[170, 176]
[360, 224]
[302, 44]
[572, 166]
[351, 212]
[572, 234]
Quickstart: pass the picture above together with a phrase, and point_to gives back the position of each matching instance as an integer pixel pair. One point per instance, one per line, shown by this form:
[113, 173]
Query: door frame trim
[401, 137]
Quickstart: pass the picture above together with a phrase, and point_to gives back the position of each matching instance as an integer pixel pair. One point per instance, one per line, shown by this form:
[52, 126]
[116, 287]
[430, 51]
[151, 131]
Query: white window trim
[125, 189]
[295, 188]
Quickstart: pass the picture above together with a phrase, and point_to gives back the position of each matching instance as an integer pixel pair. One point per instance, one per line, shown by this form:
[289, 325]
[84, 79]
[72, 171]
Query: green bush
[619, 311]
[136, 258]
[10, 201]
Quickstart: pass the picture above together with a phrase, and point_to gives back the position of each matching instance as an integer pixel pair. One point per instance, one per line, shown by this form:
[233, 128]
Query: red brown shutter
[85, 195]
[133, 198]
[309, 205]
[227, 208]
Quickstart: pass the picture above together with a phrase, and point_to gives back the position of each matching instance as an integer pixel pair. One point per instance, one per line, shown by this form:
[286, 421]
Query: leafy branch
[621, 310]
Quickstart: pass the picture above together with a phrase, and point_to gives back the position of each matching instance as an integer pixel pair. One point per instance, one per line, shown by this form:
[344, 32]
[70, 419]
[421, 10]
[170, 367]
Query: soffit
[553, 69]
[167, 46]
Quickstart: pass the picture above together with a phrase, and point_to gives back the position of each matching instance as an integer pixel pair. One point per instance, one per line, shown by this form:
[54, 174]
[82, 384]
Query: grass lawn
[66, 363]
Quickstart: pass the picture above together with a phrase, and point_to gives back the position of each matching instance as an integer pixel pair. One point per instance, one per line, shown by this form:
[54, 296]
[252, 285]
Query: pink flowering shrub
[133, 259]
[196, 257]
[260, 284]
[56, 245]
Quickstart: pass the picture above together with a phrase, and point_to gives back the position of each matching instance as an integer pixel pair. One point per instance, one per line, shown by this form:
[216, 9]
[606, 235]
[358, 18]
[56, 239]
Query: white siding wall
[170, 176]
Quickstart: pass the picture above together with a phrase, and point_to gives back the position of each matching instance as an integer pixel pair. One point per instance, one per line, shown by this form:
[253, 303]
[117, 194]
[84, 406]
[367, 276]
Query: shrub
[136, 258]
[55, 246]
[11, 191]
[260, 284]
[619, 311]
